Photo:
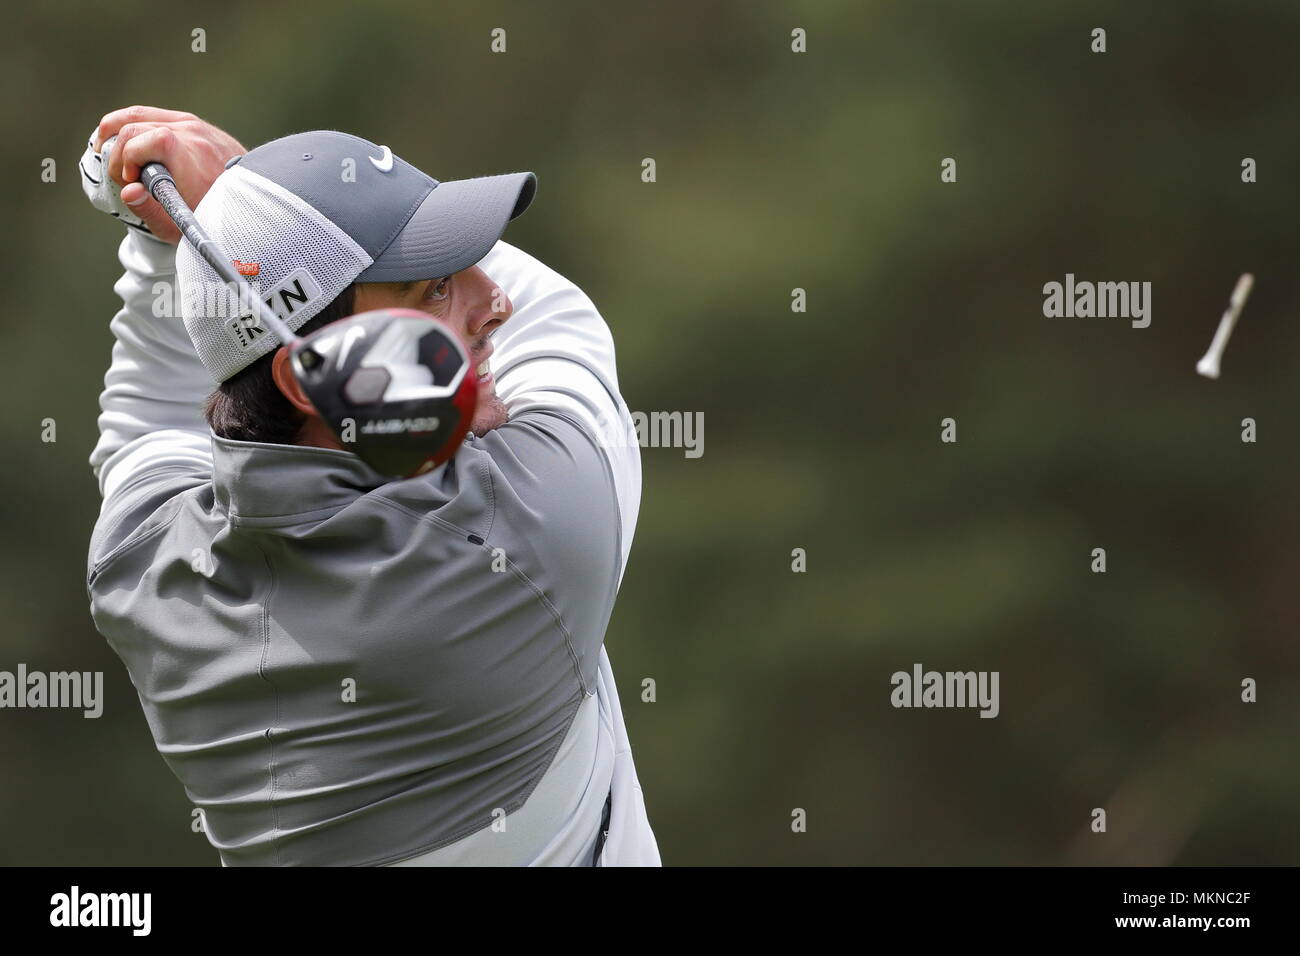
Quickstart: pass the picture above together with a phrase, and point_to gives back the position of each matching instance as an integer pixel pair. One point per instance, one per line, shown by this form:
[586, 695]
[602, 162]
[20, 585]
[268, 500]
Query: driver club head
[395, 386]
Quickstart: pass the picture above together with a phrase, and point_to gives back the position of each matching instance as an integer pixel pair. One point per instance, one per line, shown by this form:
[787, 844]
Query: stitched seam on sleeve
[133, 540]
[275, 699]
[490, 489]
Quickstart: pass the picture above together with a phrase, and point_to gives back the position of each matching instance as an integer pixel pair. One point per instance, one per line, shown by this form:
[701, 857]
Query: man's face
[468, 301]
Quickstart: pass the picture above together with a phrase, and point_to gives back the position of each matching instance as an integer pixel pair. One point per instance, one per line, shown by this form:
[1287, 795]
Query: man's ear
[287, 383]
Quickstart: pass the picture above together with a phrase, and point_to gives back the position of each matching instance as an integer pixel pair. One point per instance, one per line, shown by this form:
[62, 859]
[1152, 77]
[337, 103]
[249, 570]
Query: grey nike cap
[306, 215]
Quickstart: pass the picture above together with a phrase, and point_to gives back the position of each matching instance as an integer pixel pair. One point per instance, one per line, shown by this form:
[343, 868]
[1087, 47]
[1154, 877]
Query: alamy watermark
[80, 690]
[683, 430]
[1104, 300]
[236, 303]
[130, 910]
[922, 688]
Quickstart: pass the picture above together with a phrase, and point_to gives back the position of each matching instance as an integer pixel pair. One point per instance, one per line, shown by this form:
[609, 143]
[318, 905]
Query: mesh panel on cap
[294, 247]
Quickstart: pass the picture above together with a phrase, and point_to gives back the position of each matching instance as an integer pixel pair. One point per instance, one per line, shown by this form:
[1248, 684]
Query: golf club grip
[156, 178]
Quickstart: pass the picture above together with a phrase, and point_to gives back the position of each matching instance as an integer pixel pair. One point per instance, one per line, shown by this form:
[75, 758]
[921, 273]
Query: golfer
[343, 669]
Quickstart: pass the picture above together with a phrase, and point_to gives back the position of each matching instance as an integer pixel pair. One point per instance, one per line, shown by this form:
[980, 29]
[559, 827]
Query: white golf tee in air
[1209, 365]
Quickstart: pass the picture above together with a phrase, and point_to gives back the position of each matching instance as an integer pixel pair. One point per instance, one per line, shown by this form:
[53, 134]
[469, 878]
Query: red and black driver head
[394, 385]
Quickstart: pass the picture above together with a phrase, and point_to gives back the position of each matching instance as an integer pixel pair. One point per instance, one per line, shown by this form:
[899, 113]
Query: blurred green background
[779, 170]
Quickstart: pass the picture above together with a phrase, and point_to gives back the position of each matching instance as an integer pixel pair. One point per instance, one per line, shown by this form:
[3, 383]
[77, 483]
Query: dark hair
[249, 406]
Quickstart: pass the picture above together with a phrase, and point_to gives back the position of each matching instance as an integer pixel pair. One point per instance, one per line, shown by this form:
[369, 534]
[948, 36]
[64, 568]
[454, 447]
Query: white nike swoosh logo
[385, 163]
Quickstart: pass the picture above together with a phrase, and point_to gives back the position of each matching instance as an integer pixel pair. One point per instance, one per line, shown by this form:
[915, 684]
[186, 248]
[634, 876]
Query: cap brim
[457, 225]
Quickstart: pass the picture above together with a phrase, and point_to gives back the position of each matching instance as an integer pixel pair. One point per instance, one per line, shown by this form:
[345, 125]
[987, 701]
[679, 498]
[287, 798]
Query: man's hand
[193, 151]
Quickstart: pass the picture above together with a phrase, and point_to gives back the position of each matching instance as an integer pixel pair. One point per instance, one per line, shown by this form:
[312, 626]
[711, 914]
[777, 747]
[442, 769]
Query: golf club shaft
[159, 182]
